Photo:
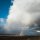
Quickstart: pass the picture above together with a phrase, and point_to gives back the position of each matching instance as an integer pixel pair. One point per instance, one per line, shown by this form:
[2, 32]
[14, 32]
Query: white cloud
[17, 13]
[20, 12]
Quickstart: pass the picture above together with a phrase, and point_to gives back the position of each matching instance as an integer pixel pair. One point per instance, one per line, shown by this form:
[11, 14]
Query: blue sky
[4, 8]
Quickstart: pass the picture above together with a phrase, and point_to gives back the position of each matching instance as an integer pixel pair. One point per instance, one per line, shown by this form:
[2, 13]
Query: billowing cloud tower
[24, 12]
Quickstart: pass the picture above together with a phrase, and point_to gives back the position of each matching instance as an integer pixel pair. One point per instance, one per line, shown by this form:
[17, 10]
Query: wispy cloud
[2, 21]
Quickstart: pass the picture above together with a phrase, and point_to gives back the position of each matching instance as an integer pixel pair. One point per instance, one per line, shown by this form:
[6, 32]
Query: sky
[4, 8]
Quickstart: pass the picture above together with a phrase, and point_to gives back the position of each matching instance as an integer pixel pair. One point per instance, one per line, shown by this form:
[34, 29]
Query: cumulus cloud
[17, 13]
[14, 19]
[21, 15]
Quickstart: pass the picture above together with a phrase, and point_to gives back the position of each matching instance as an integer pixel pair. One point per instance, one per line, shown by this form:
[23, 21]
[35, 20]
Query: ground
[20, 38]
